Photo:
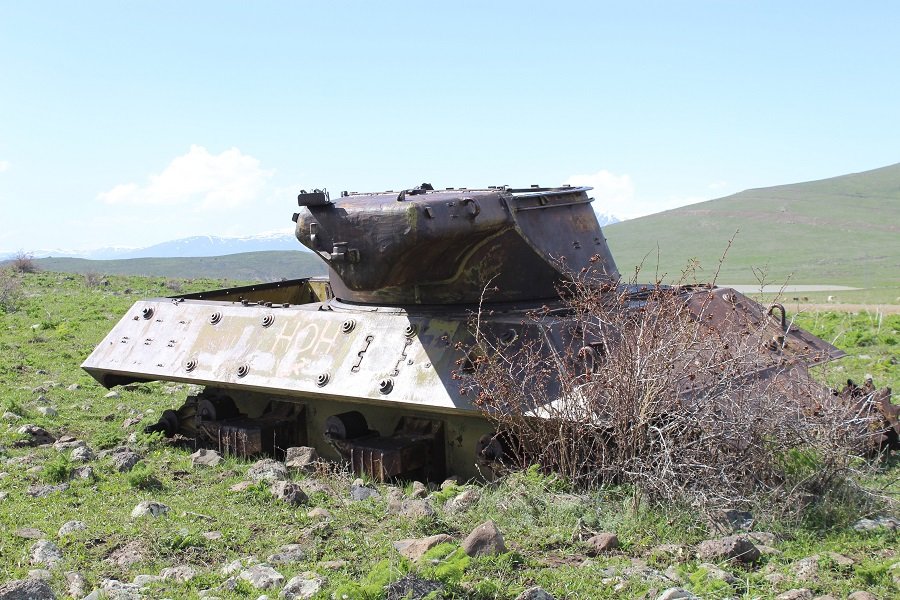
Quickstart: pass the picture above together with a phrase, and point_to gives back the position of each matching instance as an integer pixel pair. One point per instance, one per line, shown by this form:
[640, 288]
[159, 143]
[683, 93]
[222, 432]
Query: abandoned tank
[364, 366]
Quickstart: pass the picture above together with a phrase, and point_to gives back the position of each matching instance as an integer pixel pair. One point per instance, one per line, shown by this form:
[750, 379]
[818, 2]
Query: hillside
[247, 266]
[842, 230]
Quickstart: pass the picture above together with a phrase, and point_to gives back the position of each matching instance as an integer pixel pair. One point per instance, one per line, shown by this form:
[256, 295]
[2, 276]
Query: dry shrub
[23, 262]
[641, 386]
[10, 290]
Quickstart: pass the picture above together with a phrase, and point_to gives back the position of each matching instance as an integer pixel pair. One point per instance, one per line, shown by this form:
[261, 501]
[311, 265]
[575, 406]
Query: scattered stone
[795, 594]
[302, 457]
[37, 436]
[82, 454]
[333, 565]
[11, 416]
[535, 593]
[29, 533]
[419, 490]
[113, 394]
[762, 537]
[360, 491]
[26, 589]
[414, 549]
[839, 560]
[124, 459]
[76, 584]
[486, 539]
[862, 595]
[212, 535]
[672, 551]
[676, 593]
[268, 469]
[120, 591]
[462, 501]
[131, 553]
[602, 542]
[714, 572]
[411, 508]
[4, 495]
[826, 597]
[85, 472]
[180, 573]
[45, 553]
[242, 486]
[450, 481]
[807, 569]
[290, 553]
[237, 565]
[262, 577]
[876, 523]
[40, 574]
[131, 422]
[145, 580]
[205, 458]
[41, 491]
[149, 508]
[289, 492]
[47, 411]
[318, 513]
[70, 527]
[734, 547]
[303, 586]
[411, 587]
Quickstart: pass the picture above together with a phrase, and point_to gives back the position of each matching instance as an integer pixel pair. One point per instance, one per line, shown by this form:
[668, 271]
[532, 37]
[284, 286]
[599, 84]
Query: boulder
[414, 549]
[412, 587]
[180, 573]
[733, 547]
[535, 593]
[360, 491]
[205, 458]
[601, 543]
[262, 577]
[301, 457]
[268, 469]
[70, 527]
[289, 553]
[303, 586]
[795, 594]
[486, 539]
[45, 553]
[149, 508]
[81, 454]
[289, 492]
[26, 589]
[124, 459]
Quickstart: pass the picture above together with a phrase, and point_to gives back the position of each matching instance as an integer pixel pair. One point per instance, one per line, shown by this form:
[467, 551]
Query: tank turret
[424, 246]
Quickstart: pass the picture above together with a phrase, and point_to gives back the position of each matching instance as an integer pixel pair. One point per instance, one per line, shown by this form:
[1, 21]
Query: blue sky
[131, 123]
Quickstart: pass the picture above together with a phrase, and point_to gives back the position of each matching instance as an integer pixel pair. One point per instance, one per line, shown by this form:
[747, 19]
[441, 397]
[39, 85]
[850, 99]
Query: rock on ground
[676, 594]
[149, 508]
[267, 469]
[127, 555]
[76, 584]
[124, 459]
[26, 589]
[414, 549]
[178, 573]
[876, 523]
[412, 587]
[303, 586]
[360, 491]
[462, 501]
[602, 542]
[302, 457]
[82, 454]
[486, 539]
[733, 547]
[862, 595]
[205, 458]
[71, 527]
[262, 577]
[45, 553]
[289, 553]
[289, 492]
[535, 593]
[795, 594]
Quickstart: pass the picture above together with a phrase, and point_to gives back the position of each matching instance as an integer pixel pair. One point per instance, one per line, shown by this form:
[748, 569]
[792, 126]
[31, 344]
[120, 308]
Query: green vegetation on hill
[844, 231]
[246, 266]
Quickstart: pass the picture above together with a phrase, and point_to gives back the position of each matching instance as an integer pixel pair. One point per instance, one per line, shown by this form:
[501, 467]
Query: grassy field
[52, 321]
[842, 231]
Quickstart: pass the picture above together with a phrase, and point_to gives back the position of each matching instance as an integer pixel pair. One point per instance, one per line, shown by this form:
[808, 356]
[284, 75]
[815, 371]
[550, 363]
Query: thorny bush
[647, 392]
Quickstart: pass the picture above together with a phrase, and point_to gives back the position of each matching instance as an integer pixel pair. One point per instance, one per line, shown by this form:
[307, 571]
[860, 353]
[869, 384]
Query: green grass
[538, 514]
[840, 231]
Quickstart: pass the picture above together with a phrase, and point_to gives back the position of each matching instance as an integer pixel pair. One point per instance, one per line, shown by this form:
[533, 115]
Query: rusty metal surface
[446, 247]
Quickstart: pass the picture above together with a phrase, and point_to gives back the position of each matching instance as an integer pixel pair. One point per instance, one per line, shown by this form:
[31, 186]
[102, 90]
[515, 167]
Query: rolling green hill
[844, 230]
[247, 266]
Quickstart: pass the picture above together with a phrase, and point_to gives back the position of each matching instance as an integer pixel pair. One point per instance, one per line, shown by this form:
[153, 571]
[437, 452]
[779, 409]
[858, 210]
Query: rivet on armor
[348, 325]
[215, 318]
[268, 320]
[386, 385]
[243, 370]
[147, 313]
[190, 365]
[410, 330]
[322, 379]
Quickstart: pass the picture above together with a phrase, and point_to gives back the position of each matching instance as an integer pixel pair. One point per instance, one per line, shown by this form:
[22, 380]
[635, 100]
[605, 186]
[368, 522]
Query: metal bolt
[410, 330]
[386, 385]
[322, 379]
[243, 370]
[190, 365]
[268, 320]
[348, 325]
[215, 318]
[147, 312]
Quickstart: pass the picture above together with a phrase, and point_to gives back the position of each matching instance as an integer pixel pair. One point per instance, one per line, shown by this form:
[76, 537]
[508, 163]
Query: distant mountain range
[201, 246]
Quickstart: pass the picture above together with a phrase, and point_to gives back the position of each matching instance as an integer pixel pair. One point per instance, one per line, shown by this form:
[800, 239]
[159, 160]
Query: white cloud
[613, 194]
[198, 180]
[4, 166]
